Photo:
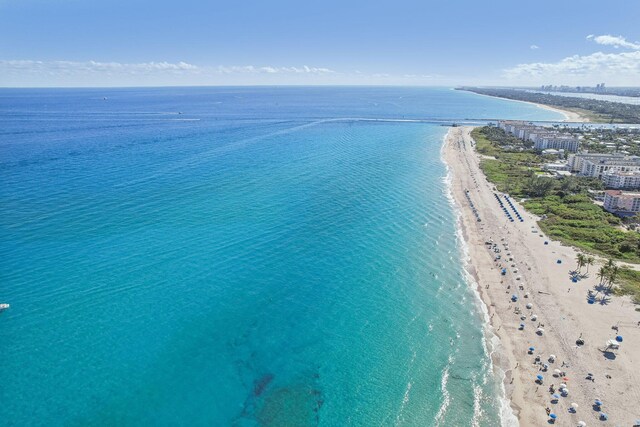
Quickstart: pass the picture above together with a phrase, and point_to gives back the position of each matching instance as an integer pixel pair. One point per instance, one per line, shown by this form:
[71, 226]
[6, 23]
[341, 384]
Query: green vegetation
[568, 213]
[629, 283]
[595, 110]
[575, 220]
[612, 277]
[601, 140]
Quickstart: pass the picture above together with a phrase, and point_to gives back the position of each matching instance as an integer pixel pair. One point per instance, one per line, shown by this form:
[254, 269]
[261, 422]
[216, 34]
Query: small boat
[4, 306]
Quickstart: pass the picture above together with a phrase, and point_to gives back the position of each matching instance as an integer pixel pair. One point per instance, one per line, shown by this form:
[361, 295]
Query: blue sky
[195, 42]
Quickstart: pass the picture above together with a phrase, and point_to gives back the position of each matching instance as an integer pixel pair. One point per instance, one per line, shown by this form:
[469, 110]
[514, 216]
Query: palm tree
[580, 259]
[603, 272]
[589, 261]
[613, 275]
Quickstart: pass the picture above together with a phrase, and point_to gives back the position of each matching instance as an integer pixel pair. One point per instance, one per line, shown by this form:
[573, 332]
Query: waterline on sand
[490, 340]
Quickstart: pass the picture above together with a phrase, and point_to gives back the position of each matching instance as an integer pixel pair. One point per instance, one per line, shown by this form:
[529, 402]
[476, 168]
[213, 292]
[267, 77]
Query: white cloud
[69, 73]
[533, 47]
[250, 69]
[615, 41]
[147, 67]
[93, 67]
[623, 67]
[93, 73]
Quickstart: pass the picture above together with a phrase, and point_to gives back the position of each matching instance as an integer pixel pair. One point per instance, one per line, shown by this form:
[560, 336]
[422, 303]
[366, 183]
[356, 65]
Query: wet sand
[560, 307]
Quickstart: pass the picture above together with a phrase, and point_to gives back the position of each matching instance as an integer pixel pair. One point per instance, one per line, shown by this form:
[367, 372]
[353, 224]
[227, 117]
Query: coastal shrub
[628, 283]
[565, 204]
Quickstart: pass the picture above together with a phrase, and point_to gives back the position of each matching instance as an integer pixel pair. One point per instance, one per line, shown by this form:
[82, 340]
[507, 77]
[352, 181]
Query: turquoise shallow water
[255, 260]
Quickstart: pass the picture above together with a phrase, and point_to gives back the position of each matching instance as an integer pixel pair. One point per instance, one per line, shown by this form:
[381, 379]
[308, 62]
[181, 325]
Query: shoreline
[492, 341]
[569, 116]
[558, 303]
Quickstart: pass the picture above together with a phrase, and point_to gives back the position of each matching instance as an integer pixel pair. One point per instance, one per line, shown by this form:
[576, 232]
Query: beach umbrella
[598, 402]
[565, 378]
[603, 416]
[540, 331]
[574, 405]
[540, 377]
[564, 391]
[619, 338]
[582, 424]
[563, 385]
[553, 416]
[556, 396]
[521, 325]
[557, 371]
[552, 357]
[529, 306]
[531, 349]
[534, 317]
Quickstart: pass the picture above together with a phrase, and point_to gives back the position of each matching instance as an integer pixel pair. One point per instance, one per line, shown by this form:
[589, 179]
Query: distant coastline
[592, 110]
[569, 115]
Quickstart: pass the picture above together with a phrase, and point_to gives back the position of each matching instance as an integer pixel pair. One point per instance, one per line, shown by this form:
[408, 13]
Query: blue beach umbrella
[540, 377]
[598, 402]
[619, 338]
[553, 416]
[556, 396]
[603, 416]
[531, 348]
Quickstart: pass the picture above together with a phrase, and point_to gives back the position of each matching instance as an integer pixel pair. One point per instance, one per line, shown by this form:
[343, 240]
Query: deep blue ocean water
[237, 257]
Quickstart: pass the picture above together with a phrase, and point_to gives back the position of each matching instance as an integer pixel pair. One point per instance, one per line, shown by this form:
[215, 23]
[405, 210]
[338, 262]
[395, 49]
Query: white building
[554, 167]
[557, 141]
[624, 204]
[542, 137]
[621, 180]
[595, 165]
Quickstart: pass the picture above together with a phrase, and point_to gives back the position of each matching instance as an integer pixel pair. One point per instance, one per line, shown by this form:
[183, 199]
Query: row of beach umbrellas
[514, 208]
[504, 209]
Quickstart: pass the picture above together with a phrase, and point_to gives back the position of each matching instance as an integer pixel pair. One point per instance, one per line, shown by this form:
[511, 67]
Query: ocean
[238, 256]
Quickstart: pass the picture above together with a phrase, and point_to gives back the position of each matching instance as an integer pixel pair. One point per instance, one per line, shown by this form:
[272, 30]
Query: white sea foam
[446, 400]
[490, 341]
[407, 393]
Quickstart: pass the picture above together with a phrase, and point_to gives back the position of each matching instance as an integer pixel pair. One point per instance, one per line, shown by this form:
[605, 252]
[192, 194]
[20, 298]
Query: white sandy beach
[560, 306]
[569, 116]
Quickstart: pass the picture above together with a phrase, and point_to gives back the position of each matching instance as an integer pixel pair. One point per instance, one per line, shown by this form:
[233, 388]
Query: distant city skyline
[143, 43]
